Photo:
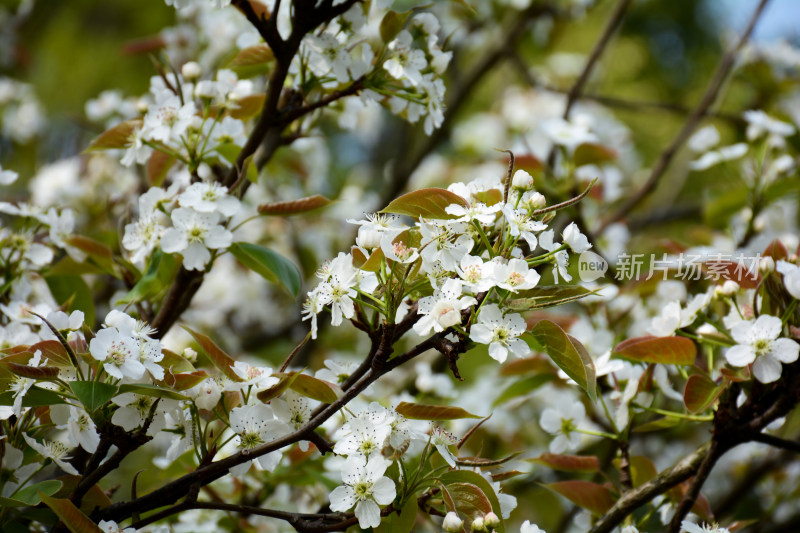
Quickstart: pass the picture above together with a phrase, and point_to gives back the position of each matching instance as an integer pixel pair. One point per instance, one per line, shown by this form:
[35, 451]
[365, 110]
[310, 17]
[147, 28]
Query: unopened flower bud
[368, 238]
[729, 288]
[522, 180]
[478, 524]
[452, 522]
[190, 355]
[766, 265]
[533, 200]
[191, 70]
[491, 519]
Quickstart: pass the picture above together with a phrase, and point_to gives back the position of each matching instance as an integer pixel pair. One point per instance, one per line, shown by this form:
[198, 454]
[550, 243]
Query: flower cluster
[479, 247]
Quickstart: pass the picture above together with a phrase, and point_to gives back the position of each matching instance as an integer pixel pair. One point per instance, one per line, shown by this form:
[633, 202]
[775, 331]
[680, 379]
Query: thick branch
[632, 500]
[723, 69]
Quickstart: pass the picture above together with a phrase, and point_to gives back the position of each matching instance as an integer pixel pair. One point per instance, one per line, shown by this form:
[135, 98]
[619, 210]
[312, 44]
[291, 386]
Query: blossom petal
[767, 369]
[740, 355]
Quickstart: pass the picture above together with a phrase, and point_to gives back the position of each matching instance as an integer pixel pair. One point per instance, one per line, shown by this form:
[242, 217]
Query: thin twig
[724, 68]
[614, 22]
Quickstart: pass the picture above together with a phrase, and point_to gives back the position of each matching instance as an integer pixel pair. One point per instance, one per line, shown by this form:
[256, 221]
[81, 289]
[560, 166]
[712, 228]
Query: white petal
[342, 498]
[785, 350]
[767, 327]
[383, 491]
[368, 514]
[767, 369]
[173, 241]
[740, 355]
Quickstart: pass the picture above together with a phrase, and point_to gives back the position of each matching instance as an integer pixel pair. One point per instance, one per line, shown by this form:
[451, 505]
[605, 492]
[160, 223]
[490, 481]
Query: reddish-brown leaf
[420, 411]
[218, 357]
[568, 463]
[597, 499]
[158, 166]
[293, 207]
[700, 393]
[664, 350]
[592, 154]
[116, 137]
[33, 372]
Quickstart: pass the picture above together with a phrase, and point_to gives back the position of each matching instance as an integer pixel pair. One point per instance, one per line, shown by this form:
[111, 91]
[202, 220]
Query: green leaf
[35, 397]
[700, 393]
[403, 522]
[93, 394]
[657, 424]
[392, 24]
[420, 411]
[73, 292]
[150, 283]
[425, 203]
[293, 207]
[73, 518]
[269, 264]
[116, 137]
[664, 350]
[29, 496]
[522, 387]
[591, 496]
[468, 476]
[218, 357]
[547, 296]
[568, 353]
[151, 390]
[568, 463]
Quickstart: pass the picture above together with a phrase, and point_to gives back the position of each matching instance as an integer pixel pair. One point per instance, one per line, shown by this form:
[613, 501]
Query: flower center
[250, 439]
[515, 278]
[363, 490]
[762, 346]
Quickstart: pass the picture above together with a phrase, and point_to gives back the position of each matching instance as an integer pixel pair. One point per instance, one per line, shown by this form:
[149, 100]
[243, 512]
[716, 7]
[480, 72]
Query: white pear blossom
[500, 332]
[193, 234]
[205, 394]
[443, 309]
[575, 239]
[109, 526]
[690, 527]
[759, 123]
[119, 353]
[365, 438]
[79, 425]
[7, 177]
[20, 385]
[527, 527]
[366, 488]
[208, 198]
[791, 277]
[255, 425]
[515, 275]
[442, 440]
[561, 421]
[477, 275]
[759, 344]
[55, 450]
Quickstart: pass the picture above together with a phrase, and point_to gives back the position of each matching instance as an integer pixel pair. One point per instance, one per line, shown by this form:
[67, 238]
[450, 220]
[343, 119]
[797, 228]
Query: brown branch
[616, 102]
[642, 494]
[686, 503]
[777, 442]
[714, 87]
